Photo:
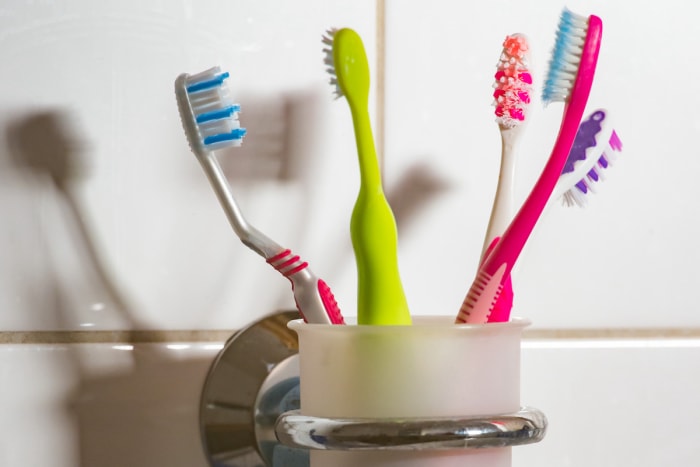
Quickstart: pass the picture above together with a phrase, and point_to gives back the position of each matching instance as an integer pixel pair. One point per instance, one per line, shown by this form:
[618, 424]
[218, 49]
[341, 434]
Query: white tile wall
[140, 199]
[608, 402]
[134, 238]
[102, 405]
[628, 258]
[612, 402]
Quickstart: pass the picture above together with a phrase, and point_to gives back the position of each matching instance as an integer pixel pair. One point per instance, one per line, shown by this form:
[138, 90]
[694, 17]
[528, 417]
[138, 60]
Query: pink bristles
[513, 82]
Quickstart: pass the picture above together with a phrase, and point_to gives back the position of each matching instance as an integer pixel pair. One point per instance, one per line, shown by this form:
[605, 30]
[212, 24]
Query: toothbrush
[380, 295]
[569, 80]
[513, 87]
[593, 151]
[210, 120]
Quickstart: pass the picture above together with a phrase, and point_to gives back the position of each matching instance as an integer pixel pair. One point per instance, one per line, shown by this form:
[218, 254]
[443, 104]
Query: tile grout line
[380, 80]
[114, 337]
[219, 336]
[613, 333]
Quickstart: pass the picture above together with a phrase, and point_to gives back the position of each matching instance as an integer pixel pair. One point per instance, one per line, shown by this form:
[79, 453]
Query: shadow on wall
[417, 188]
[282, 131]
[145, 415]
[145, 412]
[46, 149]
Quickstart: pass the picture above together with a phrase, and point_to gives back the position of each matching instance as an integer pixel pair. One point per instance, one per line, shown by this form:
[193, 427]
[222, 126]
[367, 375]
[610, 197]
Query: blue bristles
[566, 56]
[215, 116]
[236, 134]
[214, 82]
[218, 114]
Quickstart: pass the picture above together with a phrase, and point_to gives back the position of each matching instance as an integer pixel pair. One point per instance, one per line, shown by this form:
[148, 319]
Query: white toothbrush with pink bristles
[513, 88]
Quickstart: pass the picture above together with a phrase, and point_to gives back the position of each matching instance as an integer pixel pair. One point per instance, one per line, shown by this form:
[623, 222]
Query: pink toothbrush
[569, 80]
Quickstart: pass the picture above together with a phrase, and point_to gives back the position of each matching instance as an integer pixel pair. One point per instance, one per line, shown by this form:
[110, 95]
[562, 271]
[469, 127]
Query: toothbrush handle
[503, 205]
[381, 299]
[487, 286]
[504, 302]
[313, 297]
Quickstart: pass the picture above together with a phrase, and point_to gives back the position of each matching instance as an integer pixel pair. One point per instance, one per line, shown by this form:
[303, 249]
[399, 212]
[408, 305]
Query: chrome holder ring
[299, 431]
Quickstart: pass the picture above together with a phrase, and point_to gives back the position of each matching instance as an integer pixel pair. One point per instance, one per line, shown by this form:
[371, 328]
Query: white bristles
[327, 39]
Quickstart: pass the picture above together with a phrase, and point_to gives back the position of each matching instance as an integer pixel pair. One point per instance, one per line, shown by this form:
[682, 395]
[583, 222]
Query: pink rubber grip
[329, 303]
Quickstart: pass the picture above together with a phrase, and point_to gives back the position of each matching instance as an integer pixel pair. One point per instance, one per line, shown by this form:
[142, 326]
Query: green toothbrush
[380, 296]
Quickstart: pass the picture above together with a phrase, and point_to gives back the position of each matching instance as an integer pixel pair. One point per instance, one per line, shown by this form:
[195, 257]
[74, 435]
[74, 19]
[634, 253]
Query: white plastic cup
[432, 369]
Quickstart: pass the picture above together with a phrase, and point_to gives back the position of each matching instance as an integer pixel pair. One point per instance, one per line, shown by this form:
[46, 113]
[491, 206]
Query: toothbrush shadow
[417, 188]
[44, 145]
[279, 140]
[129, 414]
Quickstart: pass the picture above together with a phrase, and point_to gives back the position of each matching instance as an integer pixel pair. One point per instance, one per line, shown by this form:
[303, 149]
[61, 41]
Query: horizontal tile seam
[613, 333]
[113, 337]
[166, 336]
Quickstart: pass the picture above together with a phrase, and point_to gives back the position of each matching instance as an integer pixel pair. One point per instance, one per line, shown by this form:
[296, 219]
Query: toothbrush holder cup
[426, 394]
[284, 392]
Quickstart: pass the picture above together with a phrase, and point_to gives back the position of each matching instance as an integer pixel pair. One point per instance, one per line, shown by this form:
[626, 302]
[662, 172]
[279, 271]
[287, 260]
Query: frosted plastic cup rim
[419, 322]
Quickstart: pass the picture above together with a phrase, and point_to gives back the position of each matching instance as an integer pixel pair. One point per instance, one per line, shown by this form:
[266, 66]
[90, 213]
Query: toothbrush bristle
[577, 195]
[513, 84]
[214, 113]
[586, 142]
[566, 57]
[327, 40]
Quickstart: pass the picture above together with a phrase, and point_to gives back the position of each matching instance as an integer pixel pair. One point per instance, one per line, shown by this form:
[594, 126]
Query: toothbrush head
[347, 64]
[574, 57]
[594, 150]
[513, 85]
[209, 116]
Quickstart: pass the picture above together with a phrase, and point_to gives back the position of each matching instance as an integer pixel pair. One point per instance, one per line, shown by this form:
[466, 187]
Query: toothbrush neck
[370, 172]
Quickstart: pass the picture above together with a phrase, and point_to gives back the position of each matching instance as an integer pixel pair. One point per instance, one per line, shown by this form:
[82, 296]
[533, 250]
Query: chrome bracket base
[250, 383]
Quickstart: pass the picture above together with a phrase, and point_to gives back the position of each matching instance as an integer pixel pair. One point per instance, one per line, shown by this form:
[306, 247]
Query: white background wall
[133, 237]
